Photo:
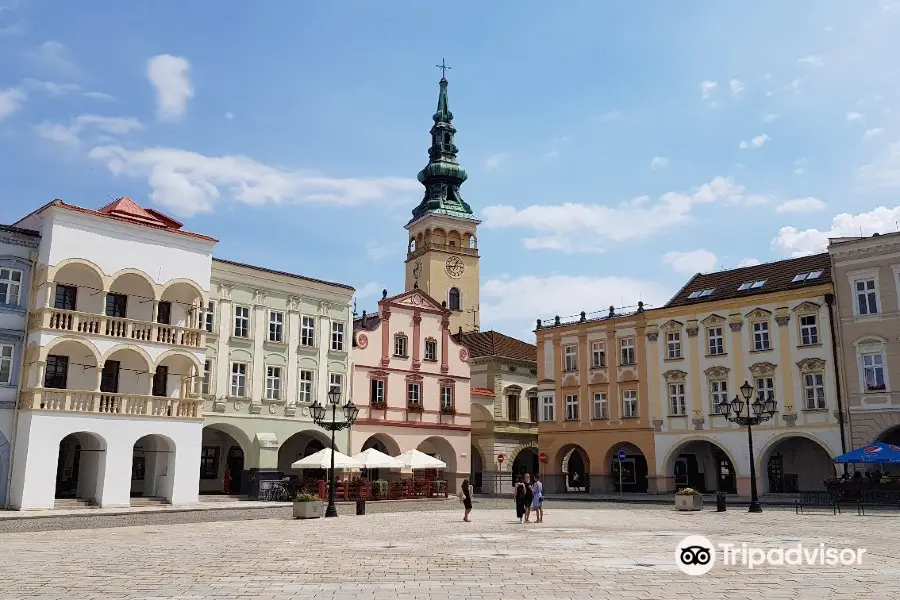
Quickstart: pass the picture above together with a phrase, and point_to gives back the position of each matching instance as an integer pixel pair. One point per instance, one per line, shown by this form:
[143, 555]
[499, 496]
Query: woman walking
[520, 499]
[529, 496]
[537, 504]
[466, 497]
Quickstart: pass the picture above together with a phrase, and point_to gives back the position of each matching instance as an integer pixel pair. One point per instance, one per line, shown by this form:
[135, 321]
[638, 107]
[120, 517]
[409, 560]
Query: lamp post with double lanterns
[336, 423]
[758, 411]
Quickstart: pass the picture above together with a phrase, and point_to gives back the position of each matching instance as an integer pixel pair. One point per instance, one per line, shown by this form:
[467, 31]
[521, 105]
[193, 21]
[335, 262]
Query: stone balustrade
[102, 403]
[115, 327]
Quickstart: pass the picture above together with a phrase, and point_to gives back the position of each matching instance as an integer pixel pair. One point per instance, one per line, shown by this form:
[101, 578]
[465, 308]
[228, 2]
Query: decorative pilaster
[445, 344]
[735, 322]
[385, 337]
[782, 316]
[416, 342]
[692, 328]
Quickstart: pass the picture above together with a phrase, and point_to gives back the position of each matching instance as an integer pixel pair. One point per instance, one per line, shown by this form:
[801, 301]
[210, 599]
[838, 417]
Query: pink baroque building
[411, 383]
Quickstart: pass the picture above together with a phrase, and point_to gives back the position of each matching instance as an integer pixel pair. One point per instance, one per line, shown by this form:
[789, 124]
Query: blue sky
[613, 149]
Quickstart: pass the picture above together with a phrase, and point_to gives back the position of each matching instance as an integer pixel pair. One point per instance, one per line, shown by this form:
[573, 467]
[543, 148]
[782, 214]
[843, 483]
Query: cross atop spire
[443, 67]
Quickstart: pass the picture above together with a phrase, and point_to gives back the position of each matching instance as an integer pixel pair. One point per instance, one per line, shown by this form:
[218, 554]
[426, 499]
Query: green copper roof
[442, 176]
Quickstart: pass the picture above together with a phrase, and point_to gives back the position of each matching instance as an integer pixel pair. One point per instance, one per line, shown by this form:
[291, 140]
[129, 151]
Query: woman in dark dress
[520, 499]
[466, 499]
[529, 496]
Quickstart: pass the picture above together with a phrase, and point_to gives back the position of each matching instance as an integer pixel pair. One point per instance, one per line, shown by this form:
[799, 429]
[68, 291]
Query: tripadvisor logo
[696, 555]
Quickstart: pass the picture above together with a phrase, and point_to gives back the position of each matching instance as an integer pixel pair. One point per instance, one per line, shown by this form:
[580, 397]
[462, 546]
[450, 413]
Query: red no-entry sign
[542, 457]
[500, 458]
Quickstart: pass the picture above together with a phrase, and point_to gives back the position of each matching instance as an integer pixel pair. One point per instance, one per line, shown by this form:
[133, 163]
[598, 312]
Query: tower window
[453, 299]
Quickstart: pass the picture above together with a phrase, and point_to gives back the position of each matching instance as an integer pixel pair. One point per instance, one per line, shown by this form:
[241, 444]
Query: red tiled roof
[476, 391]
[128, 211]
[778, 277]
[492, 343]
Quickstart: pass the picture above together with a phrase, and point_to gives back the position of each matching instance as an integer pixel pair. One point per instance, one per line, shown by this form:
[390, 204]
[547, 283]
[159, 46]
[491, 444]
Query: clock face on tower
[417, 270]
[455, 267]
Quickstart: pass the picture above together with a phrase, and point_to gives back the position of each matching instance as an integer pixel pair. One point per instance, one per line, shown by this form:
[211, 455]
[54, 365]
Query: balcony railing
[102, 403]
[115, 327]
[425, 247]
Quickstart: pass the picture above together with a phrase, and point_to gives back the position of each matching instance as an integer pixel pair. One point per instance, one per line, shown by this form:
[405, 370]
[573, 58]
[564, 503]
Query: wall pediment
[763, 369]
[811, 365]
[807, 307]
[716, 372]
[759, 314]
[675, 375]
[713, 321]
[672, 325]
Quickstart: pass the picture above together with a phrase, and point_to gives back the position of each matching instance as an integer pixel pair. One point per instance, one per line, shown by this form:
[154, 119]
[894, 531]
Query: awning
[322, 460]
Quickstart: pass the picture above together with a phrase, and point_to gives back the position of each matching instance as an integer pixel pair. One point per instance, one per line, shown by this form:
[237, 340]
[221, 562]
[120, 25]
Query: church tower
[442, 256]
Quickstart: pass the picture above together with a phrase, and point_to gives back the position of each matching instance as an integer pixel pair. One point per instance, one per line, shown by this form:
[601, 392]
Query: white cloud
[813, 60]
[11, 100]
[736, 86]
[69, 134]
[800, 205]
[691, 262]
[368, 290]
[586, 227]
[884, 171]
[872, 133]
[522, 300]
[494, 161]
[378, 250]
[748, 262]
[768, 118]
[612, 115]
[659, 162]
[100, 96]
[51, 87]
[170, 75]
[756, 142]
[707, 88]
[54, 56]
[229, 116]
[855, 117]
[795, 242]
[793, 86]
[188, 183]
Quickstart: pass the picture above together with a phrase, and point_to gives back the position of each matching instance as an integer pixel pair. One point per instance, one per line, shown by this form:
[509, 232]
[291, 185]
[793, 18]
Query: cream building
[767, 324]
[867, 287]
[276, 342]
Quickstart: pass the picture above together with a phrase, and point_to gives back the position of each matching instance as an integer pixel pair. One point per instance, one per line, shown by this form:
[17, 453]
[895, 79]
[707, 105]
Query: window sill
[719, 355]
[305, 348]
[273, 401]
[239, 338]
[403, 356]
[875, 392]
[761, 350]
[677, 359]
[278, 344]
[337, 352]
[815, 410]
[603, 418]
[817, 345]
[864, 318]
[572, 420]
[570, 370]
[237, 398]
[211, 333]
[632, 364]
[431, 360]
[677, 416]
[597, 367]
[635, 417]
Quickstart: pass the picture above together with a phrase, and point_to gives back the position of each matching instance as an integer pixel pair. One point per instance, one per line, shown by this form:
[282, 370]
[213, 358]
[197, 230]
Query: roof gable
[494, 343]
[416, 298]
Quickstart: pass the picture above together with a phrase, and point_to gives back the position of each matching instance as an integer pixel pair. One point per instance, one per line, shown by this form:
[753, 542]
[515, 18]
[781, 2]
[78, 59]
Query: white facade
[106, 407]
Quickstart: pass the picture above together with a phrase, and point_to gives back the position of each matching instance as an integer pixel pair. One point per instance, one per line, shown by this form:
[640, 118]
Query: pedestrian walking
[537, 504]
[529, 496]
[520, 498]
[465, 495]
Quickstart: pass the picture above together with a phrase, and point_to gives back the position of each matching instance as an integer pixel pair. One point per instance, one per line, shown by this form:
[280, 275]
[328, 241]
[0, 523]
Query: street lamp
[758, 411]
[318, 412]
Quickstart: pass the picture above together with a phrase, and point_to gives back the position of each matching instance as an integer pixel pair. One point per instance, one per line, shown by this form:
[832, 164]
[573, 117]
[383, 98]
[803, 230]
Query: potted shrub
[448, 410]
[379, 489]
[379, 404]
[688, 499]
[414, 407]
[307, 506]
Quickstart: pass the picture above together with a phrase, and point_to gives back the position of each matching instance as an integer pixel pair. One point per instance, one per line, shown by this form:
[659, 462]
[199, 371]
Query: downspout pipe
[829, 301]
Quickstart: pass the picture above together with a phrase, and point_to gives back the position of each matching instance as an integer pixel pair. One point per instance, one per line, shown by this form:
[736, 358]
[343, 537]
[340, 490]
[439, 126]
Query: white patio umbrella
[322, 460]
[373, 459]
[416, 460]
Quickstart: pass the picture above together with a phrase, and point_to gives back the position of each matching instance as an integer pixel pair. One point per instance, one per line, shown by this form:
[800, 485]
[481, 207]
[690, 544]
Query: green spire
[442, 176]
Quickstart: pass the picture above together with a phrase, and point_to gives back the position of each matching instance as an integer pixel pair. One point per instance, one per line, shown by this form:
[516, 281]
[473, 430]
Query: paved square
[601, 552]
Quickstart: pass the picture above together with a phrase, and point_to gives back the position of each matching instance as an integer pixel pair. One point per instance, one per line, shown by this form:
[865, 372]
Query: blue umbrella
[875, 453]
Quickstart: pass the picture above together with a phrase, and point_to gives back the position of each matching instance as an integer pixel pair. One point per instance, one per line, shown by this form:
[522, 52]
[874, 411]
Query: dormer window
[807, 276]
[751, 285]
[701, 293]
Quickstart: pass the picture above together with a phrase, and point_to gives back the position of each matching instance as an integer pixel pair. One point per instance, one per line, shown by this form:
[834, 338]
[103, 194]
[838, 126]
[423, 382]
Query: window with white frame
[209, 317]
[306, 386]
[570, 353]
[866, 296]
[809, 330]
[548, 408]
[446, 396]
[6, 356]
[336, 380]
[571, 407]
[337, 336]
[600, 406]
[205, 385]
[598, 354]
[718, 393]
[376, 396]
[10, 286]
[673, 345]
[715, 340]
[873, 371]
[626, 345]
[307, 331]
[241, 321]
[765, 387]
[814, 390]
[239, 380]
[430, 350]
[629, 404]
[413, 394]
[761, 335]
[400, 343]
[276, 326]
[676, 399]
[273, 383]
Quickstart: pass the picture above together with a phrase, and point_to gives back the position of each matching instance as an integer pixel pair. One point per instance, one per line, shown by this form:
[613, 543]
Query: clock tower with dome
[442, 255]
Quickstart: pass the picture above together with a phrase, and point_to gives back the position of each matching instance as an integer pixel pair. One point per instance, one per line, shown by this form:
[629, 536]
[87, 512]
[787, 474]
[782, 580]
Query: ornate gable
[416, 298]
[716, 372]
[672, 325]
[675, 375]
[811, 365]
[807, 307]
[759, 314]
[762, 369]
[713, 321]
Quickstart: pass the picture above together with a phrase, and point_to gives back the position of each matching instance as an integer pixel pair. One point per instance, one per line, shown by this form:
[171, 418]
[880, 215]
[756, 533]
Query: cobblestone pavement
[601, 552]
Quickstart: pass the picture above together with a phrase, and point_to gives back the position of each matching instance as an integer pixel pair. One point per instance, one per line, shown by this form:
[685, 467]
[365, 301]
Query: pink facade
[411, 383]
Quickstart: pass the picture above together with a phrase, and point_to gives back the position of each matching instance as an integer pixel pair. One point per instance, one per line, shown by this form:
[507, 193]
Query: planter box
[308, 510]
[688, 502]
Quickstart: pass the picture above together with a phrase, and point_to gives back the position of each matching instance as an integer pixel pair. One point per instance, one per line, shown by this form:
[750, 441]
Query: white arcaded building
[106, 408]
